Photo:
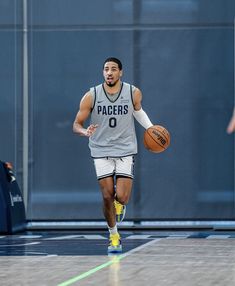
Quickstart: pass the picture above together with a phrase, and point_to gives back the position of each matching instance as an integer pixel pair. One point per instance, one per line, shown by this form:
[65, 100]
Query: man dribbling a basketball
[112, 107]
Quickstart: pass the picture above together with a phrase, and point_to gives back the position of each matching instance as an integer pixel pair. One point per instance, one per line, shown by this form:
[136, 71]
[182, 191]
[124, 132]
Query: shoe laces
[114, 239]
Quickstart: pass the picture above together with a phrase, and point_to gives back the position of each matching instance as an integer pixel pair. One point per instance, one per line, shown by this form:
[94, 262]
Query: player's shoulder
[96, 87]
[88, 94]
[132, 87]
[136, 91]
[136, 95]
[87, 98]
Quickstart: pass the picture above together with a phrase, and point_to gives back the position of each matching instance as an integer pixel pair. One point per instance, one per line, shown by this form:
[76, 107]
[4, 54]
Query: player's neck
[113, 89]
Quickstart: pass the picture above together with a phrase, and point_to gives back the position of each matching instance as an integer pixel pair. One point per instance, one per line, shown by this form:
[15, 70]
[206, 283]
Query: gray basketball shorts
[110, 166]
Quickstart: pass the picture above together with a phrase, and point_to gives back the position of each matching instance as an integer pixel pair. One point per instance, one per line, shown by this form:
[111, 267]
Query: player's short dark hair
[115, 60]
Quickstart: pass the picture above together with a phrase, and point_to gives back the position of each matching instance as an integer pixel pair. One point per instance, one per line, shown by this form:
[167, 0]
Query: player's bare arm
[137, 98]
[82, 116]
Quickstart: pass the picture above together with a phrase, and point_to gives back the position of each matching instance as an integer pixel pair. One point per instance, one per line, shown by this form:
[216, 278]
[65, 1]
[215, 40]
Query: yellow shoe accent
[115, 245]
[120, 211]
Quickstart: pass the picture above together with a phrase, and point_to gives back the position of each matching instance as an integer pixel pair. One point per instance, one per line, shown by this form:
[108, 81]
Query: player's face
[111, 73]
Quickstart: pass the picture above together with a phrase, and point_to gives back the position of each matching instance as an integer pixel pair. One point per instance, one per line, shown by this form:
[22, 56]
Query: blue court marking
[74, 243]
[73, 247]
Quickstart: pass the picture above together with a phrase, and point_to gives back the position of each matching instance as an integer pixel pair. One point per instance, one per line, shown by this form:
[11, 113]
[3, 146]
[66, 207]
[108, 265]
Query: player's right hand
[91, 130]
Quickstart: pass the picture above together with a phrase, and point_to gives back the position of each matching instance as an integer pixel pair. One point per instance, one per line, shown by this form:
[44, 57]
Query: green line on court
[90, 272]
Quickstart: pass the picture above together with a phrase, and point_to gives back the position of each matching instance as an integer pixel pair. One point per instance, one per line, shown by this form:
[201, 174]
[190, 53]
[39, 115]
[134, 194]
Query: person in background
[231, 125]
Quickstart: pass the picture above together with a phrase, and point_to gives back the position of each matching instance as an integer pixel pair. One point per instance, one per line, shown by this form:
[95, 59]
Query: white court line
[22, 244]
[93, 236]
[30, 236]
[222, 236]
[35, 253]
[77, 237]
[139, 236]
[63, 237]
[177, 236]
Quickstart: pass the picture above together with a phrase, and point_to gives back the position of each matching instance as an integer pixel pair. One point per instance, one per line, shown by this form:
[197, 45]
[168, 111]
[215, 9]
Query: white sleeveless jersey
[115, 135]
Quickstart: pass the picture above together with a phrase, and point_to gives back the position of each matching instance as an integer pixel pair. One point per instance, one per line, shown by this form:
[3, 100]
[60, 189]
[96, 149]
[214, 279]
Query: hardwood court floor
[149, 258]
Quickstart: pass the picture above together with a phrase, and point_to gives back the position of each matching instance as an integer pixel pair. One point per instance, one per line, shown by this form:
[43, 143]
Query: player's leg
[105, 169]
[123, 189]
[124, 180]
[123, 192]
[107, 190]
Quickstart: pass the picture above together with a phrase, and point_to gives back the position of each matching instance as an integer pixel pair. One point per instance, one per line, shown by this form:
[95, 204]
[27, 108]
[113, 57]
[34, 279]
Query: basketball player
[112, 107]
[231, 125]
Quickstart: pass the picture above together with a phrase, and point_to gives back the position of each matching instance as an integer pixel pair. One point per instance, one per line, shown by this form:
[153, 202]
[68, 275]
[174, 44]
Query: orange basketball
[156, 139]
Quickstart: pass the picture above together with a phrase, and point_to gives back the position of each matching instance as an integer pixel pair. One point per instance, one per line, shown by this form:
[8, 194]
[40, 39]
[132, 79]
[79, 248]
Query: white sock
[113, 230]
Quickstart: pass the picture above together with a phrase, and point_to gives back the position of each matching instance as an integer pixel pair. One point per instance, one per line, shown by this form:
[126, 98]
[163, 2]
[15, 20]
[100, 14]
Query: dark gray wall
[11, 84]
[181, 55]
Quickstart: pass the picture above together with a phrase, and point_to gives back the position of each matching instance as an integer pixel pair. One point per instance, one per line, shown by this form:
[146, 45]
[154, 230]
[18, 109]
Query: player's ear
[121, 73]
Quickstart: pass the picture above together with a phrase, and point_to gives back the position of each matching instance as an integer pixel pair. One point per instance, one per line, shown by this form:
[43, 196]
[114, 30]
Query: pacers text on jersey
[112, 109]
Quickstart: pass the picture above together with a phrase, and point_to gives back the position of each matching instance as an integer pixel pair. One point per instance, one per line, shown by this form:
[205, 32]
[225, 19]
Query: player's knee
[123, 199]
[107, 195]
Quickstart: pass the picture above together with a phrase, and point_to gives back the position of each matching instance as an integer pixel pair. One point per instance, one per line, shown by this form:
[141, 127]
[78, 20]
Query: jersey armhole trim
[131, 91]
[94, 100]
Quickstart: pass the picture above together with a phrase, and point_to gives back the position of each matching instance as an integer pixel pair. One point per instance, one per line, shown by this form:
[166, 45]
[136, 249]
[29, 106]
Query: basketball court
[149, 258]
[179, 228]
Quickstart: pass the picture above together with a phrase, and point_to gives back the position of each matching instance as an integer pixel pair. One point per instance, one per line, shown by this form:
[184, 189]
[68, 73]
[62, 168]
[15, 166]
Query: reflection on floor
[150, 258]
